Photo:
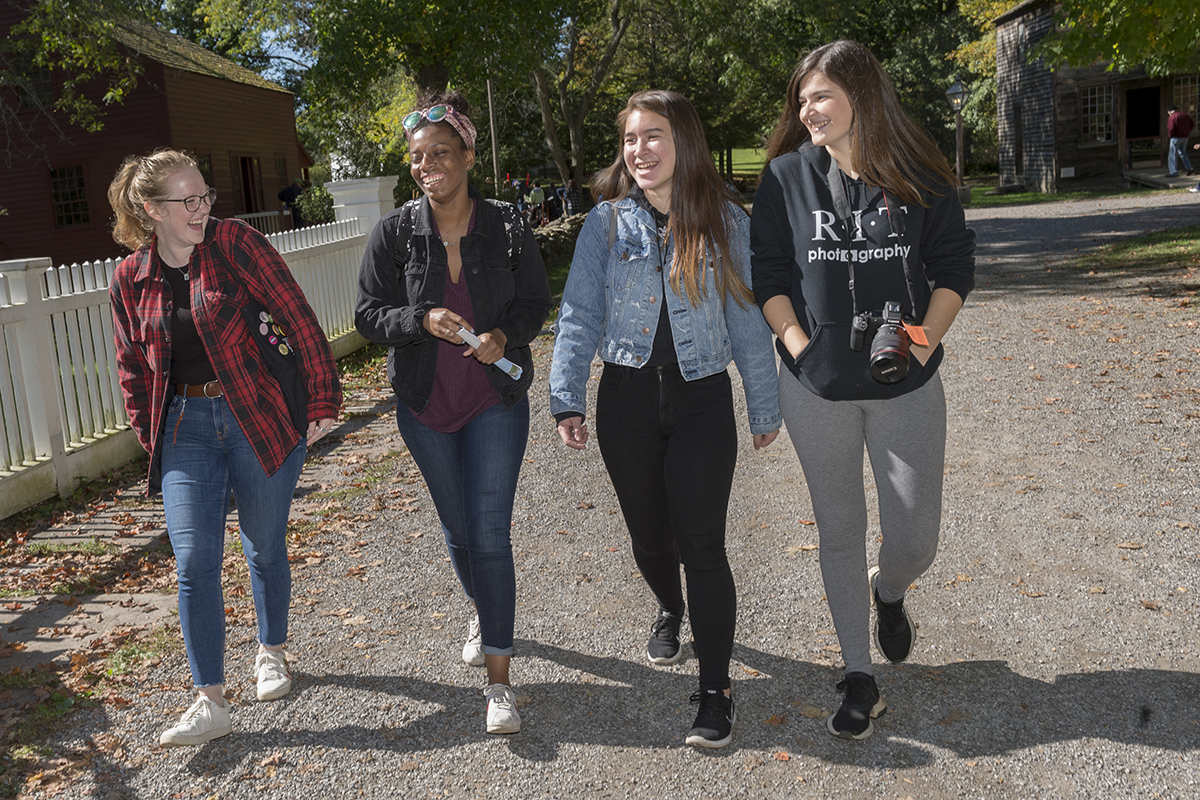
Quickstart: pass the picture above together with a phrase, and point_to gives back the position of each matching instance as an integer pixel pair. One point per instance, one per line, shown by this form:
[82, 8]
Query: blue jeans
[1176, 152]
[472, 477]
[206, 457]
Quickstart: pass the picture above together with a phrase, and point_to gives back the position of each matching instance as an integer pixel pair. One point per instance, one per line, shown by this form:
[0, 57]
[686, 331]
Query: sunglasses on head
[433, 114]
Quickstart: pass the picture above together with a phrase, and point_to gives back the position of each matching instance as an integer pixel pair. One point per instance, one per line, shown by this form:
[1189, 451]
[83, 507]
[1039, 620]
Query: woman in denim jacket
[660, 286]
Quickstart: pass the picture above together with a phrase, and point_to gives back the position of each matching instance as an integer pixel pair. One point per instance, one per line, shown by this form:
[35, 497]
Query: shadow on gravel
[974, 709]
[1033, 253]
[983, 708]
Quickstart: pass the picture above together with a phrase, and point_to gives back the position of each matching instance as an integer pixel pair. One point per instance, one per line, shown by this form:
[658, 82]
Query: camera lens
[889, 354]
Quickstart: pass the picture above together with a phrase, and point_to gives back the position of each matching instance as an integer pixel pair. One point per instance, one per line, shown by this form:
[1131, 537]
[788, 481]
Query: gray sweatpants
[906, 441]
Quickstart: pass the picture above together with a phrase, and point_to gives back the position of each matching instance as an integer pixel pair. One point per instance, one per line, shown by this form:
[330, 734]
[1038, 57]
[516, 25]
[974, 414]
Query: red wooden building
[240, 126]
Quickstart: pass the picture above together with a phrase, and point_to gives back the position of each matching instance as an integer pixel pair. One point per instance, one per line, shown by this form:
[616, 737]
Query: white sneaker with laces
[201, 723]
[473, 648]
[502, 716]
[272, 673]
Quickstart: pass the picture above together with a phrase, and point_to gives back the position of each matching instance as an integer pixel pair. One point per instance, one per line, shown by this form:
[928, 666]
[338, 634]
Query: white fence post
[34, 348]
[61, 412]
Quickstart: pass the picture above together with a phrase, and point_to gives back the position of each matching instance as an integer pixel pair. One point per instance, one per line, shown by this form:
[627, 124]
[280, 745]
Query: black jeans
[670, 446]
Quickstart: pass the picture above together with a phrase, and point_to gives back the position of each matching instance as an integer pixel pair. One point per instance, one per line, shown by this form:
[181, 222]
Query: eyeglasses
[193, 203]
[434, 114]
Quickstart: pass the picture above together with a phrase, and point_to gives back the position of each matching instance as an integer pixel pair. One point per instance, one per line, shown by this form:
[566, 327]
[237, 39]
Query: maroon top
[461, 390]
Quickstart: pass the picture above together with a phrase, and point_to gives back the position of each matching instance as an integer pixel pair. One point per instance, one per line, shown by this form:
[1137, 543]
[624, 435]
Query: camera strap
[841, 208]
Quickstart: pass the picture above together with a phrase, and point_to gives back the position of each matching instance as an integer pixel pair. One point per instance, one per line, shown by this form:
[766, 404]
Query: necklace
[183, 270]
[448, 243]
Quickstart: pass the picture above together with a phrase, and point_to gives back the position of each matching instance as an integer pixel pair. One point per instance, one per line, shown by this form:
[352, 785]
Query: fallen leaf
[1096, 590]
[807, 522]
[812, 712]
[749, 671]
[775, 719]
[1130, 546]
[1150, 605]
[273, 760]
[1034, 594]
[781, 756]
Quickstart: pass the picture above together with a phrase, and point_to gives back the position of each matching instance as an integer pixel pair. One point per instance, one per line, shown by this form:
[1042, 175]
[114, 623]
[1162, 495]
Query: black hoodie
[801, 249]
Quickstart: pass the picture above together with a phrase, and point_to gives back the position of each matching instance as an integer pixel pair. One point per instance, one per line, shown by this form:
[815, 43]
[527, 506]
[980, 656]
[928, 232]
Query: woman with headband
[454, 285]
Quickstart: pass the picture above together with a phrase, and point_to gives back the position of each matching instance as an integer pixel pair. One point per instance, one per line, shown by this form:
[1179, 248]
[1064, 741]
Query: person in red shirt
[213, 421]
[1179, 127]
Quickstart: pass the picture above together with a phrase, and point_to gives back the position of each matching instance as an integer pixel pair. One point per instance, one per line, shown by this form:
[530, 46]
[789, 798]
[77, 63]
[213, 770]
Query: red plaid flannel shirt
[141, 306]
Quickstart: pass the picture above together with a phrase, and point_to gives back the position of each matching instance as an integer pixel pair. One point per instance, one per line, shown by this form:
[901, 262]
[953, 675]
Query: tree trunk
[556, 150]
[432, 76]
[575, 121]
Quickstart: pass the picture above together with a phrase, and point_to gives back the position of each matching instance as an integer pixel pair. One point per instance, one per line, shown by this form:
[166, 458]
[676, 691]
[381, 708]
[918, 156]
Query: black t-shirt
[189, 359]
[662, 352]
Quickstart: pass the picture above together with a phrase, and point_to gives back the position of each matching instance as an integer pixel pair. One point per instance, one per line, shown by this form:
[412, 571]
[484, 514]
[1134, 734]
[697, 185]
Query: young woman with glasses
[862, 260]
[660, 285]
[214, 423]
[454, 285]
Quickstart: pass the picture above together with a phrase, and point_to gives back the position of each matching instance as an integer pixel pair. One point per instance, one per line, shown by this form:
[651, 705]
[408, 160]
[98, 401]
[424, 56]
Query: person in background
[204, 408]
[464, 263]
[660, 285]
[572, 201]
[288, 196]
[537, 203]
[1179, 127]
[856, 210]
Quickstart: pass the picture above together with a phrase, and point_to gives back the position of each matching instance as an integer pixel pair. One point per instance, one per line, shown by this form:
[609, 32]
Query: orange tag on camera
[917, 334]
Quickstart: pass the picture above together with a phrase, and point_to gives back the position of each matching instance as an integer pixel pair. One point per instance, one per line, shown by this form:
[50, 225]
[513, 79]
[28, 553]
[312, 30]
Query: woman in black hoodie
[861, 261]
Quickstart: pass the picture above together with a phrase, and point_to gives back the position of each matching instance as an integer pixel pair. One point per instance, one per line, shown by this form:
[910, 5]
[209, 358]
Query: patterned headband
[441, 113]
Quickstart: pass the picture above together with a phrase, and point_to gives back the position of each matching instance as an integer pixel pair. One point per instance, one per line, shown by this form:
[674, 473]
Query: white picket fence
[62, 418]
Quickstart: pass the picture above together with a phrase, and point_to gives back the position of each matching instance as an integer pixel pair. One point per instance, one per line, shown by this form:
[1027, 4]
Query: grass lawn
[747, 161]
[1174, 253]
[981, 197]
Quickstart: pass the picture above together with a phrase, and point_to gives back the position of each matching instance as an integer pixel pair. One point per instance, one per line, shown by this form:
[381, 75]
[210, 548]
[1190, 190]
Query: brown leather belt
[209, 390]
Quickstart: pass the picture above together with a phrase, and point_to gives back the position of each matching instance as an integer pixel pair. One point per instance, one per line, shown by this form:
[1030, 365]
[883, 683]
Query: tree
[977, 62]
[588, 47]
[68, 41]
[1163, 36]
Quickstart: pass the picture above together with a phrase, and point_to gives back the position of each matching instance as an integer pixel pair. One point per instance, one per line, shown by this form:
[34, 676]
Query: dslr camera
[889, 341]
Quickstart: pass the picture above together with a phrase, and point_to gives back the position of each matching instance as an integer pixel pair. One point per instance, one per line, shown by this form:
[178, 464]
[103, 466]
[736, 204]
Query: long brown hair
[138, 180]
[700, 212]
[889, 149]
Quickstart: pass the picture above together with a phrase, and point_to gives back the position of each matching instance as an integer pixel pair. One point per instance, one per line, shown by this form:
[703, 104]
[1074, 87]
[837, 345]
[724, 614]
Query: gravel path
[1059, 647]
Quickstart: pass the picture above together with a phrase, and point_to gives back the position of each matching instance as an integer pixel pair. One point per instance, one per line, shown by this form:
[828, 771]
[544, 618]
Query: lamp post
[957, 95]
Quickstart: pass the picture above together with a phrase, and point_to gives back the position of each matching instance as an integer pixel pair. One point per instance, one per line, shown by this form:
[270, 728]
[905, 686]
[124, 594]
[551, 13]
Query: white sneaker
[502, 716]
[272, 673]
[473, 648]
[201, 723]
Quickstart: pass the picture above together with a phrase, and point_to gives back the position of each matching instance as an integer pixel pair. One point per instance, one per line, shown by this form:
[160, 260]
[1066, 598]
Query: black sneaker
[663, 647]
[895, 631]
[714, 721]
[861, 704]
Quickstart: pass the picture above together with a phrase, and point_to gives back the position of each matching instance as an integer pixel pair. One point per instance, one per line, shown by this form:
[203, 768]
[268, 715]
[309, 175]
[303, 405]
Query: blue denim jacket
[610, 306]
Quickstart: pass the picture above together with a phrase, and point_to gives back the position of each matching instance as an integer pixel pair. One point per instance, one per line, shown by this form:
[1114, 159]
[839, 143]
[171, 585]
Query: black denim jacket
[395, 293]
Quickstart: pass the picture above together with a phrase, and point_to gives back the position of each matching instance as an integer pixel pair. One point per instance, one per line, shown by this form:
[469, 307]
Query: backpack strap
[403, 245]
[513, 229]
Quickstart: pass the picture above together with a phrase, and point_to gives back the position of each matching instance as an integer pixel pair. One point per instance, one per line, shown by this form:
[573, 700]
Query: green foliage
[69, 42]
[1163, 36]
[316, 205]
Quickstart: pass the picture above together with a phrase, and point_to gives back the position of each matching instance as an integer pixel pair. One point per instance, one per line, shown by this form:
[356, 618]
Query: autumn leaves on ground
[108, 539]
